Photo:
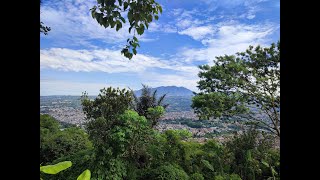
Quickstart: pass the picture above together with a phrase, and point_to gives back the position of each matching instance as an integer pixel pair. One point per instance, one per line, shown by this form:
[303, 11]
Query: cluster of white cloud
[104, 60]
[199, 32]
[228, 38]
[71, 22]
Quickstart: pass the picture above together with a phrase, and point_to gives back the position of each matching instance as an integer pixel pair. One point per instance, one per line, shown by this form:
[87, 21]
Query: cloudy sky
[80, 55]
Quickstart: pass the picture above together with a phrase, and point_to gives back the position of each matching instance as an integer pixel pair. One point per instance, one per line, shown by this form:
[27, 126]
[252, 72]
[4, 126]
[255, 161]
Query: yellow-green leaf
[85, 175]
[54, 169]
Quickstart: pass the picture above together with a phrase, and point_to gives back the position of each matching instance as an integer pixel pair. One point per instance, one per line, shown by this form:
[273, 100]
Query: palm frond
[161, 99]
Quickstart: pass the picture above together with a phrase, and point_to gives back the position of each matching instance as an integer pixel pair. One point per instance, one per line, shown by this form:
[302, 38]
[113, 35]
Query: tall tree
[235, 83]
[109, 13]
[149, 99]
[119, 135]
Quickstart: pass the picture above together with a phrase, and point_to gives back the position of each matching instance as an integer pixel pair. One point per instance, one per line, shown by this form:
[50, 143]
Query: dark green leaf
[125, 5]
[119, 26]
[112, 24]
[160, 9]
[140, 30]
[123, 20]
[207, 164]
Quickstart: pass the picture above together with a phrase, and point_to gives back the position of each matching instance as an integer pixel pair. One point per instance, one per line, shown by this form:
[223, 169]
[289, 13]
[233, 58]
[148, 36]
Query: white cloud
[156, 27]
[198, 33]
[229, 38]
[103, 60]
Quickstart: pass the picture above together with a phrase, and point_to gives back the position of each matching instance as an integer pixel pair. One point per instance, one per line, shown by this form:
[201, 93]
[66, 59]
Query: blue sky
[80, 55]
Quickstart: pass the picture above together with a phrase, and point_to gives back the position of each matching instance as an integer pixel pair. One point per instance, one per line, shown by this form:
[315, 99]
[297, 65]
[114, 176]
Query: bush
[169, 172]
[196, 176]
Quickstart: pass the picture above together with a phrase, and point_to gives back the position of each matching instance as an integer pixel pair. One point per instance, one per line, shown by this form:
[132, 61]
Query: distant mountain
[170, 91]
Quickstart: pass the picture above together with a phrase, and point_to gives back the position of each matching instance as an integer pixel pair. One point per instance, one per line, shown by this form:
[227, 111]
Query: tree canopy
[110, 13]
[236, 84]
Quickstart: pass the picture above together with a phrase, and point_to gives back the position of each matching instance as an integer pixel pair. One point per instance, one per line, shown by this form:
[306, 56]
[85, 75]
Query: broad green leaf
[207, 164]
[119, 25]
[125, 5]
[54, 169]
[156, 17]
[134, 51]
[140, 30]
[85, 175]
[112, 24]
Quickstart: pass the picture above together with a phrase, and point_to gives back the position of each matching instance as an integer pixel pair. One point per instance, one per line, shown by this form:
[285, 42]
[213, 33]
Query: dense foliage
[56, 143]
[235, 83]
[126, 145]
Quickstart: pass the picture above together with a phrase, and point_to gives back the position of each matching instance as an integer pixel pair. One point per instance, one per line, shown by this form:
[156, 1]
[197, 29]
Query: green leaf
[273, 171]
[264, 163]
[207, 164]
[54, 169]
[156, 17]
[119, 25]
[123, 20]
[160, 9]
[140, 30]
[135, 38]
[105, 22]
[149, 18]
[125, 5]
[93, 13]
[120, 2]
[134, 51]
[112, 24]
[85, 175]
[248, 155]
